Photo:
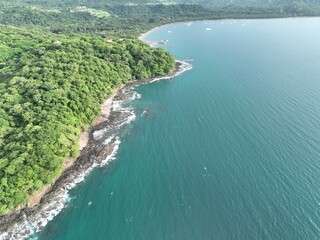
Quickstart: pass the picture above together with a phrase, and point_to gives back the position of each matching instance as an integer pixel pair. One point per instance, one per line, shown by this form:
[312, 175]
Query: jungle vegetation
[125, 18]
[51, 88]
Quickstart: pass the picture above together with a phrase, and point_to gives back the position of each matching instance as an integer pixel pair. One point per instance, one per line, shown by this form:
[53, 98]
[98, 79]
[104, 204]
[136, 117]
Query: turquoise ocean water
[228, 150]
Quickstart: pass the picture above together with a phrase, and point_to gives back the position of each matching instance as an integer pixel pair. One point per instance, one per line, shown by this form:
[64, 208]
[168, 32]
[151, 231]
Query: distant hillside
[139, 2]
[127, 18]
[248, 2]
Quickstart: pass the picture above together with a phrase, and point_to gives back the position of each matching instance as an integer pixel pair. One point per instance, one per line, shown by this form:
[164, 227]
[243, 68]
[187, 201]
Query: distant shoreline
[142, 36]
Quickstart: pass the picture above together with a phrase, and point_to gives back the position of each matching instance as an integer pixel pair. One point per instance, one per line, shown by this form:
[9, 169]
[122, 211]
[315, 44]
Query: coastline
[94, 151]
[84, 140]
[143, 35]
[105, 107]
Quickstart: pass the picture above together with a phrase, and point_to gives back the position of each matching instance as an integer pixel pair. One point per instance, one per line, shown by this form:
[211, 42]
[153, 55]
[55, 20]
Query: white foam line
[57, 203]
[130, 118]
[111, 156]
[183, 68]
[97, 135]
[118, 107]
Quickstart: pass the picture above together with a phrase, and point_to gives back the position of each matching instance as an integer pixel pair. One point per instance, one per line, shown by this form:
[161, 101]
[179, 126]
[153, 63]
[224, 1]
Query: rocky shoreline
[98, 152]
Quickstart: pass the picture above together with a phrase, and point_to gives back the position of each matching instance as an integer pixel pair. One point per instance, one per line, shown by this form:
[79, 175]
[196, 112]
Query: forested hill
[139, 2]
[51, 88]
[260, 8]
[247, 2]
[125, 18]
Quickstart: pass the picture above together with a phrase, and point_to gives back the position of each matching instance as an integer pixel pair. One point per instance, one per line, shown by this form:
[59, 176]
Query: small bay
[228, 150]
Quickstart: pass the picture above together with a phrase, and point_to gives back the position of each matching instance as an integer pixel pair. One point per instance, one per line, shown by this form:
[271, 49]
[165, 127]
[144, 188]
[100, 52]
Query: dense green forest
[125, 18]
[119, 20]
[51, 88]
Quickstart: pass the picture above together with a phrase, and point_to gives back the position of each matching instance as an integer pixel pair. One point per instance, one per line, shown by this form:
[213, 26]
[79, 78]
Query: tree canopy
[51, 88]
[125, 18]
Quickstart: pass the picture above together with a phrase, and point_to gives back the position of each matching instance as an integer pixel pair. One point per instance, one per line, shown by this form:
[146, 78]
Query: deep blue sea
[229, 150]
